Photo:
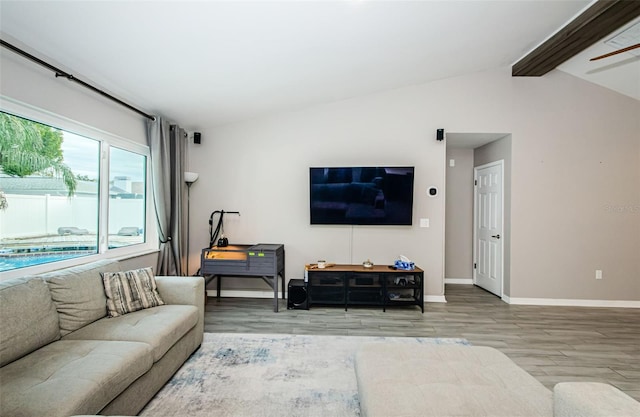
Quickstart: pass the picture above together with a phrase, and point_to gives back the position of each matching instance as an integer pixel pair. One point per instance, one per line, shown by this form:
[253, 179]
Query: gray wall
[575, 159]
[575, 173]
[459, 215]
[575, 190]
[491, 152]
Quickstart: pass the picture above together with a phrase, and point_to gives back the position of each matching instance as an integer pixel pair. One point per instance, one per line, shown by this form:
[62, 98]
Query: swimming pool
[8, 263]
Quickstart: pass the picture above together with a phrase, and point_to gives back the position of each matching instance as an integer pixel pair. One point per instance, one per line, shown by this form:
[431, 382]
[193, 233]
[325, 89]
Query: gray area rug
[270, 375]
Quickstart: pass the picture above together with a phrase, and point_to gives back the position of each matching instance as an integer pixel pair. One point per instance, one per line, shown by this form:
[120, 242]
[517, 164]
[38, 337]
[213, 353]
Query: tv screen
[362, 195]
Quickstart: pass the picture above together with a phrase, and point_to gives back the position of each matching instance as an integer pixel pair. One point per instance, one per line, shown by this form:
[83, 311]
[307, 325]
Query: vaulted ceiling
[207, 63]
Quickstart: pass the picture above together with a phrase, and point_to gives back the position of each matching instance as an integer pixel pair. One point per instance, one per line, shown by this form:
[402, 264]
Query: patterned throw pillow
[130, 291]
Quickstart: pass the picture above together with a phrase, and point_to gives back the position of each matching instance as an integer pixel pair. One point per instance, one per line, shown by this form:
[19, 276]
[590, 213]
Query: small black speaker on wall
[440, 134]
[197, 137]
[297, 295]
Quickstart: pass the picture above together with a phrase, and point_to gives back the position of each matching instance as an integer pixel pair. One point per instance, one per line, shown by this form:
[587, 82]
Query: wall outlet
[424, 222]
[598, 274]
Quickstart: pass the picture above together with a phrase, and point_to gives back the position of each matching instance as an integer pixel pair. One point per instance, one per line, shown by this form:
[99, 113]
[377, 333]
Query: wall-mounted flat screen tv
[362, 195]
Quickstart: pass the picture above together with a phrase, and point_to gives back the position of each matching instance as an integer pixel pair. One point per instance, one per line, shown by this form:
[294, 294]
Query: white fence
[37, 215]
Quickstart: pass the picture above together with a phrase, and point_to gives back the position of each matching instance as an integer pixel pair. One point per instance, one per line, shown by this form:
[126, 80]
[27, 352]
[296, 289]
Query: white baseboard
[466, 281]
[571, 302]
[435, 299]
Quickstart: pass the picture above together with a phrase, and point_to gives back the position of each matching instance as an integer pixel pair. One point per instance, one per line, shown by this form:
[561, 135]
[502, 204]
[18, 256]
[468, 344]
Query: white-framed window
[70, 193]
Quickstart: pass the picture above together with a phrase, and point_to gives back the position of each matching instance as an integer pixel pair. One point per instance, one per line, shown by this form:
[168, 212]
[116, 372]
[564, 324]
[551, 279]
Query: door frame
[499, 162]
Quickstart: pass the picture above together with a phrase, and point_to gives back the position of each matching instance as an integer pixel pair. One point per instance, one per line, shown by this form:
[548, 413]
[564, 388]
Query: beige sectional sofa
[61, 355]
[471, 381]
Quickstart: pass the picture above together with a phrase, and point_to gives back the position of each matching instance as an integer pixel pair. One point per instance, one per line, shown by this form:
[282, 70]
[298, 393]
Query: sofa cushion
[130, 291]
[78, 293]
[446, 380]
[160, 327]
[70, 377]
[29, 317]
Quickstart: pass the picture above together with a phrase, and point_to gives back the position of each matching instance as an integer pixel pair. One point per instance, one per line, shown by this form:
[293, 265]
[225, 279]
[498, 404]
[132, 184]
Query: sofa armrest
[592, 399]
[181, 290]
[184, 290]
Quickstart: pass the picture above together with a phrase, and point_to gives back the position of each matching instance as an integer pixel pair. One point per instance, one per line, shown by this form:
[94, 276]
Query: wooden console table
[264, 261]
[380, 285]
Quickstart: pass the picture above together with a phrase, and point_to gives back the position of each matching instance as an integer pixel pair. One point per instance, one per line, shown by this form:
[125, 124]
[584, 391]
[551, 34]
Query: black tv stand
[380, 285]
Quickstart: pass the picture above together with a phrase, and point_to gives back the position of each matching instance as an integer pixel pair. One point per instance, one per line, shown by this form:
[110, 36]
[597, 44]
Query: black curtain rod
[70, 77]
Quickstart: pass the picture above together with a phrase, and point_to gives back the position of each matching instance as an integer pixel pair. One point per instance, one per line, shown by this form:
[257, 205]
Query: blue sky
[82, 155]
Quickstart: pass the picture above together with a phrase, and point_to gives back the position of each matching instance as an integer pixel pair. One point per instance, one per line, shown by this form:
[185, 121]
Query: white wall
[561, 128]
[36, 86]
[261, 168]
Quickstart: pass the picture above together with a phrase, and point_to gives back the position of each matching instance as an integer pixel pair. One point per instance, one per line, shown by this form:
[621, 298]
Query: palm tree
[27, 148]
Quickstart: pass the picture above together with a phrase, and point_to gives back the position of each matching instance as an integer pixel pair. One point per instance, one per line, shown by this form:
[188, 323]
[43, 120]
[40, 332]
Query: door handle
[496, 236]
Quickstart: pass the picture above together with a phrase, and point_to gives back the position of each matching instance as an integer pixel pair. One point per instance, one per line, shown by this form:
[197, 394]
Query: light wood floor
[553, 344]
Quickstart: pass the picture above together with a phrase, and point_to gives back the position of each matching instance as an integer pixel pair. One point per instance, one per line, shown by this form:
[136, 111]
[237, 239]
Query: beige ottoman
[592, 399]
[446, 380]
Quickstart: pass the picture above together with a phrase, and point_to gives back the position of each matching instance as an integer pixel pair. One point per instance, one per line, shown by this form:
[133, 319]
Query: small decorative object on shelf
[402, 297]
[223, 242]
[320, 265]
[367, 264]
[404, 263]
[403, 281]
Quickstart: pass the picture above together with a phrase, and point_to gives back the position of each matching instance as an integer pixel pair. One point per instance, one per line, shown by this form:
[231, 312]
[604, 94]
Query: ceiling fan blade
[619, 51]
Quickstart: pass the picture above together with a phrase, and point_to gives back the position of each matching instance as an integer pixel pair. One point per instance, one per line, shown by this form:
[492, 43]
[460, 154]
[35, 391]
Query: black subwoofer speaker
[297, 295]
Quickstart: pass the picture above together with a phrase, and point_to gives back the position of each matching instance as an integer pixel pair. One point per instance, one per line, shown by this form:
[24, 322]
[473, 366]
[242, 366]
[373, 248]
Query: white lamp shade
[190, 177]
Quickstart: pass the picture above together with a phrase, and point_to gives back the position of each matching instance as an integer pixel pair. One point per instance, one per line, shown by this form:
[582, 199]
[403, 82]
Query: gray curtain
[168, 150]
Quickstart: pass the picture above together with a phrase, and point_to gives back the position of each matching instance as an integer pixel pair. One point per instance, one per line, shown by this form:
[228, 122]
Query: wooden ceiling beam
[598, 21]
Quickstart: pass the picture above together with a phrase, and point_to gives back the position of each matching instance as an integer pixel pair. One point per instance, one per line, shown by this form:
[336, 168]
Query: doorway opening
[465, 254]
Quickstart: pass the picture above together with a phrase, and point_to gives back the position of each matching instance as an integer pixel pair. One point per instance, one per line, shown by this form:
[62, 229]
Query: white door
[488, 227]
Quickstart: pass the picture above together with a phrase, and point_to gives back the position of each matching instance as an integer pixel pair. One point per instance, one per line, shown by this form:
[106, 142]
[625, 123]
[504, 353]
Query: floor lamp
[189, 179]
